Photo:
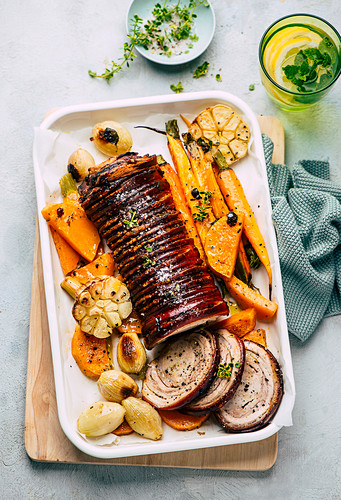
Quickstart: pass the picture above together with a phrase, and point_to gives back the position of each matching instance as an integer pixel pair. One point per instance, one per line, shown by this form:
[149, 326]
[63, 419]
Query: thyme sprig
[132, 222]
[225, 371]
[203, 206]
[201, 70]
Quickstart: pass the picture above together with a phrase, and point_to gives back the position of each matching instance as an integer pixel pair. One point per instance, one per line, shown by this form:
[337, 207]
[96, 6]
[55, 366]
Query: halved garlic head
[131, 354]
[111, 138]
[100, 418]
[101, 305]
[143, 418]
[220, 127]
[116, 386]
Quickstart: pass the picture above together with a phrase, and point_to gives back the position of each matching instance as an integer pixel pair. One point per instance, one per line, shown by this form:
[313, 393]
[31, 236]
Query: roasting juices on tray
[300, 60]
[169, 231]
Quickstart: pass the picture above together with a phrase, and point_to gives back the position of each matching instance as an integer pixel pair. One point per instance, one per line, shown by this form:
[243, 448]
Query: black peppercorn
[195, 193]
[232, 219]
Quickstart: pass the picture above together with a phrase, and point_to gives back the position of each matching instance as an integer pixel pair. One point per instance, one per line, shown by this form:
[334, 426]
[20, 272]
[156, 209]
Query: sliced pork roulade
[182, 370]
[258, 395]
[227, 379]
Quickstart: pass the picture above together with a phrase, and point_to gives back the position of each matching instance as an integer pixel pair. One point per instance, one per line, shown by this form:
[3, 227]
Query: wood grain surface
[44, 438]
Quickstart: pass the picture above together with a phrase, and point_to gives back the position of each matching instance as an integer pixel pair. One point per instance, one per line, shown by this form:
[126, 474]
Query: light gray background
[46, 49]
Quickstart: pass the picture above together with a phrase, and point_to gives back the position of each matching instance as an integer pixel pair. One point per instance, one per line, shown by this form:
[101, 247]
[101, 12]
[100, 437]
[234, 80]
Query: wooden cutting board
[44, 438]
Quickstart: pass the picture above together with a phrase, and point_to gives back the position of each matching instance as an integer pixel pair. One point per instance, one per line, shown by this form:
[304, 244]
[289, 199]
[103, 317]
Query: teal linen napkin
[306, 211]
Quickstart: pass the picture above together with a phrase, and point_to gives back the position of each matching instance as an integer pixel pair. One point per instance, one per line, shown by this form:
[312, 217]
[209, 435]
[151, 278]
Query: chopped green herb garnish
[201, 70]
[177, 88]
[251, 87]
[132, 222]
[203, 206]
[205, 144]
[148, 262]
[225, 371]
[218, 77]
[148, 248]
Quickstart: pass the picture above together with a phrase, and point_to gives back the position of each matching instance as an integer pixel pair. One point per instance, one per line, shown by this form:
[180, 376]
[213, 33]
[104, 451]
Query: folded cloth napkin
[306, 211]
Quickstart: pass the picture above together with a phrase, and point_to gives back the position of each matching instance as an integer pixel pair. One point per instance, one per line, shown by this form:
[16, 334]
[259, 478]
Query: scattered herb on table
[177, 88]
[307, 71]
[251, 87]
[163, 33]
[218, 77]
[201, 70]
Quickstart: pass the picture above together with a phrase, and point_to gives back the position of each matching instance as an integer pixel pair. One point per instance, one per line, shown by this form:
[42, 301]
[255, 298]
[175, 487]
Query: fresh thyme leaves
[225, 371]
[203, 206]
[218, 77]
[148, 262]
[251, 87]
[148, 248]
[162, 33]
[205, 144]
[132, 222]
[177, 88]
[201, 70]
[109, 135]
[307, 71]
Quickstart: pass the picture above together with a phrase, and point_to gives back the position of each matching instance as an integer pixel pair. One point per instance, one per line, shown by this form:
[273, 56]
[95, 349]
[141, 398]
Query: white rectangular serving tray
[69, 128]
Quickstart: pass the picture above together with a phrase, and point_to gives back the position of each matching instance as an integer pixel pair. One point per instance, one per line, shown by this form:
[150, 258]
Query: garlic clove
[100, 418]
[116, 386]
[143, 418]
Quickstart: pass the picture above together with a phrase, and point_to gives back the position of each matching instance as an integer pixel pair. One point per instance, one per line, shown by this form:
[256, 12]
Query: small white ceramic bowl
[204, 26]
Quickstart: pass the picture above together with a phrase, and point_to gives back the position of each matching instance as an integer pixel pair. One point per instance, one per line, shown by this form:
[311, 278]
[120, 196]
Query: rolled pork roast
[131, 204]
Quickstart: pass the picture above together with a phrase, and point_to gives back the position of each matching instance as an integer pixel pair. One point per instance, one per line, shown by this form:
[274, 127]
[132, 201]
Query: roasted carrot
[222, 244]
[240, 323]
[181, 204]
[247, 297]
[258, 336]
[69, 258]
[203, 171]
[104, 264]
[123, 430]
[90, 353]
[198, 202]
[182, 422]
[236, 200]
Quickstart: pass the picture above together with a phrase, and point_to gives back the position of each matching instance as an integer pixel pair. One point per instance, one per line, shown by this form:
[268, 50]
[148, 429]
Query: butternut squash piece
[222, 244]
[182, 422]
[90, 353]
[181, 205]
[124, 429]
[247, 297]
[258, 336]
[240, 323]
[236, 200]
[68, 257]
[103, 265]
[70, 221]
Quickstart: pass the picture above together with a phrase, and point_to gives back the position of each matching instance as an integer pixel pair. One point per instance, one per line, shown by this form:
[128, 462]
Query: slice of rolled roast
[183, 369]
[131, 204]
[222, 389]
[258, 395]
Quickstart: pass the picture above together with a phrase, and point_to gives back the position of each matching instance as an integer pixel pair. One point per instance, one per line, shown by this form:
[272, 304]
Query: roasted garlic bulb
[219, 127]
[100, 305]
[116, 386]
[100, 418]
[131, 354]
[143, 418]
[79, 163]
[111, 138]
